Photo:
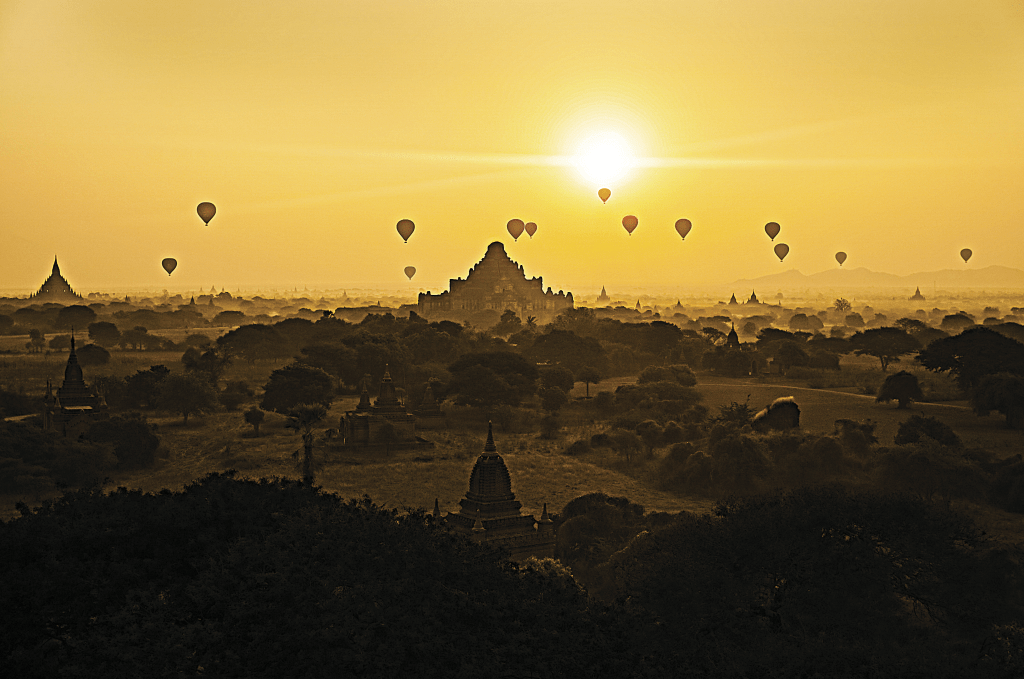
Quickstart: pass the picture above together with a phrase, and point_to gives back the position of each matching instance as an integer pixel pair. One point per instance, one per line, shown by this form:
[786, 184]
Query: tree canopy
[974, 353]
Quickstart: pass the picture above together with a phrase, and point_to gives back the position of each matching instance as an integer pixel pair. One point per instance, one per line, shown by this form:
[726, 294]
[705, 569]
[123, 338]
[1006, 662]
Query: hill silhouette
[991, 277]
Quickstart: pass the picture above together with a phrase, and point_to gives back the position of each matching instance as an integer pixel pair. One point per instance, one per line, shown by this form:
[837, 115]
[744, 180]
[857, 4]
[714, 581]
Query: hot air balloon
[781, 250]
[531, 229]
[629, 223]
[772, 229]
[515, 227]
[604, 194]
[169, 265]
[410, 271]
[966, 254]
[840, 257]
[405, 229]
[683, 227]
[206, 211]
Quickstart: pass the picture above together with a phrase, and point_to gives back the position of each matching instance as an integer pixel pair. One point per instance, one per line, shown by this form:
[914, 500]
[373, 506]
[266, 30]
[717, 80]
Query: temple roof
[490, 480]
[56, 287]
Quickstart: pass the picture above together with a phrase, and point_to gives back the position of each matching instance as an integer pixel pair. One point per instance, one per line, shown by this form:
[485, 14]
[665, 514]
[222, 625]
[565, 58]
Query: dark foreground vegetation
[275, 579]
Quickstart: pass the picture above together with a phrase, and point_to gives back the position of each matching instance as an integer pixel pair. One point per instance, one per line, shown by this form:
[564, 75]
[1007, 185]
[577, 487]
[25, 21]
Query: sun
[604, 158]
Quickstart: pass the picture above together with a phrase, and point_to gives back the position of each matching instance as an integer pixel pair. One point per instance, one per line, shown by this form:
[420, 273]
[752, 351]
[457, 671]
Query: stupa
[72, 409]
[491, 513]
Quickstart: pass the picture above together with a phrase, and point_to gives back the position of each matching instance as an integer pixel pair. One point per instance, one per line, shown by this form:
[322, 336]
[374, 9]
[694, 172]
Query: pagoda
[603, 297]
[491, 513]
[753, 298]
[496, 283]
[73, 408]
[363, 427]
[56, 289]
[918, 297]
[732, 300]
[428, 413]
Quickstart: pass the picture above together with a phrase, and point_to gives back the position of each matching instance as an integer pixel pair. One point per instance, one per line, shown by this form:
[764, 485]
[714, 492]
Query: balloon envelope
[840, 257]
[781, 250]
[410, 271]
[604, 195]
[772, 229]
[531, 229]
[515, 227]
[206, 211]
[629, 223]
[966, 254]
[683, 227]
[405, 229]
[169, 265]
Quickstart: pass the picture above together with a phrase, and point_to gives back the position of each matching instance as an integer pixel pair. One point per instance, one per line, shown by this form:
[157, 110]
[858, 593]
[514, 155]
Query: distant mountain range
[990, 277]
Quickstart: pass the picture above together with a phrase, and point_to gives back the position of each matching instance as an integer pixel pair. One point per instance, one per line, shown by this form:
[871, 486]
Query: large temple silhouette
[491, 513]
[56, 289]
[75, 406]
[497, 283]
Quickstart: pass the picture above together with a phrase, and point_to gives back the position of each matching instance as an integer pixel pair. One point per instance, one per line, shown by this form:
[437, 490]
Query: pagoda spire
[489, 447]
[56, 269]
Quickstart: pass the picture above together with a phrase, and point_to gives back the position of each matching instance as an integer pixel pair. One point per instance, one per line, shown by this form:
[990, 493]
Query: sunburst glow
[604, 158]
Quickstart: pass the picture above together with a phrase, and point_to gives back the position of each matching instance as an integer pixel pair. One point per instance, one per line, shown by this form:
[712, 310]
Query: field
[540, 472]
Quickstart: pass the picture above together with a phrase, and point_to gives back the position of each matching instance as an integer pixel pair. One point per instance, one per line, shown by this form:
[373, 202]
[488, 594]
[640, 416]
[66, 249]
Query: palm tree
[304, 417]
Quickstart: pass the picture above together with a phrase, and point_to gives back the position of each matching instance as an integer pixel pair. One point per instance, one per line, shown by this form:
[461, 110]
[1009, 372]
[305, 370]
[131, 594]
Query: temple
[496, 283]
[491, 513]
[368, 425]
[753, 298]
[428, 413]
[918, 297]
[56, 289]
[73, 408]
[603, 297]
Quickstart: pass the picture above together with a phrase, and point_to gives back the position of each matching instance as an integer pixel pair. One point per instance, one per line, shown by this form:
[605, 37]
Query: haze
[891, 131]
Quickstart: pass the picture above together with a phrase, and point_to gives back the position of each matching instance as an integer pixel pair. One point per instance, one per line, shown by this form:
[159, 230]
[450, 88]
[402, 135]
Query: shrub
[580, 447]
[918, 429]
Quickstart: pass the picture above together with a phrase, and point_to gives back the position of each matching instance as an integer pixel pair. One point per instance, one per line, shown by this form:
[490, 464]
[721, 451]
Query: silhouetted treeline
[269, 578]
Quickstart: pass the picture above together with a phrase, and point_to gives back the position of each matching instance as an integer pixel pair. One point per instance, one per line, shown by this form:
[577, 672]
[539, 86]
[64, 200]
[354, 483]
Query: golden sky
[890, 129]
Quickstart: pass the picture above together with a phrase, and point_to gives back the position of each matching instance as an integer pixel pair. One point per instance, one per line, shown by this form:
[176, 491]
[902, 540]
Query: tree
[901, 387]
[1002, 392]
[492, 378]
[854, 320]
[104, 333]
[842, 305]
[137, 338]
[210, 363]
[652, 435]
[974, 353]
[886, 344]
[254, 416]
[569, 350]
[254, 342]
[588, 375]
[334, 358]
[303, 418]
[626, 443]
[229, 318]
[957, 322]
[92, 355]
[508, 324]
[557, 376]
[36, 341]
[134, 439]
[60, 342]
[74, 316]
[552, 398]
[188, 394]
[142, 390]
[296, 384]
